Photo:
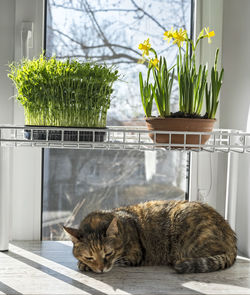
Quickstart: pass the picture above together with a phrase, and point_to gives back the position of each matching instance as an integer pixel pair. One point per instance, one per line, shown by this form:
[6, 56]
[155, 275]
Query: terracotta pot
[182, 125]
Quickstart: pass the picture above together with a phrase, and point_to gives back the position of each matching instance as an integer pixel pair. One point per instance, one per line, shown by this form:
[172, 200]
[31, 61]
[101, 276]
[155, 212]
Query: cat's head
[99, 251]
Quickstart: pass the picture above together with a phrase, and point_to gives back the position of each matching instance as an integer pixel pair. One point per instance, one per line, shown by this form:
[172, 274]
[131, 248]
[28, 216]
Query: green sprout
[161, 90]
[146, 94]
[212, 91]
[163, 87]
[191, 84]
[63, 93]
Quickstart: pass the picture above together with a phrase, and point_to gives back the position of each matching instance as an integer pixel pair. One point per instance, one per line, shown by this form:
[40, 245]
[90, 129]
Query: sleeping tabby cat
[190, 236]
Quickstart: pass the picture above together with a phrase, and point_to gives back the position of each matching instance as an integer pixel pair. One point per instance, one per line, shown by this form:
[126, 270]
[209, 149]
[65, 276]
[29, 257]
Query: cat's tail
[205, 264]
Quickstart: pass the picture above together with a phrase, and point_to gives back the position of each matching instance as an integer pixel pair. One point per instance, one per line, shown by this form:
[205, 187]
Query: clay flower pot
[181, 125]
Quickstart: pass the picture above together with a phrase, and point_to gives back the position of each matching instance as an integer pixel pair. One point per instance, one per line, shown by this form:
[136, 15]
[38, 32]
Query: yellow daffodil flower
[209, 34]
[180, 37]
[169, 35]
[154, 63]
[145, 46]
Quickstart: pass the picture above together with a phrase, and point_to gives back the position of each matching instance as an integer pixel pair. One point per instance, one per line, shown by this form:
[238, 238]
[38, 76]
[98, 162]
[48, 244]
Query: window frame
[205, 167]
[27, 164]
[21, 193]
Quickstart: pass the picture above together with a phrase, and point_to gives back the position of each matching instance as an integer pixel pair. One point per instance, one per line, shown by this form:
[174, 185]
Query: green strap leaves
[160, 91]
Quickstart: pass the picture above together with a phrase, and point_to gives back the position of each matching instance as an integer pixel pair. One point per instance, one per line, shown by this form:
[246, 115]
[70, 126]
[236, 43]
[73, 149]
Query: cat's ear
[73, 233]
[113, 228]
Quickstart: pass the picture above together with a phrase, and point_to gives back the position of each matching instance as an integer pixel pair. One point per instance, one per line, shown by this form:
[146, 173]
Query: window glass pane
[110, 31]
[77, 182]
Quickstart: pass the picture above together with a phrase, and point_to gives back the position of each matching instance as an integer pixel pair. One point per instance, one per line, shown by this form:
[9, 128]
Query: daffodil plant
[63, 93]
[213, 90]
[163, 78]
[192, 81]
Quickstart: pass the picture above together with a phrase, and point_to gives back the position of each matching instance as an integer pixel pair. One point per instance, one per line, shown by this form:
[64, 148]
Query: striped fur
[205, 264]
[190, 236]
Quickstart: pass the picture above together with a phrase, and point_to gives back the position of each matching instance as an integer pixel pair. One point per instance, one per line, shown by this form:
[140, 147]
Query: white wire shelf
[120, 138]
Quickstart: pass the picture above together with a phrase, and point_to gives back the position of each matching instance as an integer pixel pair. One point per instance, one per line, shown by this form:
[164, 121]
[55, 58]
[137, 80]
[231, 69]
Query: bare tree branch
[120, 53]
[104, 57]
[95, 10]
[65, 35]
[94, 21]
[95, 46]
[148, 15]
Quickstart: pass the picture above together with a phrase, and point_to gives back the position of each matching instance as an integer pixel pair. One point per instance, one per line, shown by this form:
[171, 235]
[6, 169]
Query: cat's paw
[82, 266]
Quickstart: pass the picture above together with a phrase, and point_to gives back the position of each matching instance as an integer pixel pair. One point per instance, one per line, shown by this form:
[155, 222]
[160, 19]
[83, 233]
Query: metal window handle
[27, 29]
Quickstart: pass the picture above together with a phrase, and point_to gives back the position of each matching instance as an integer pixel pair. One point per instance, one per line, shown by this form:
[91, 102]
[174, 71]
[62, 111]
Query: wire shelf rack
[121, 138]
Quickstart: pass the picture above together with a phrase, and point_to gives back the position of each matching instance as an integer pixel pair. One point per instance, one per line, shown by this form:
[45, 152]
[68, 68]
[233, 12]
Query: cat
[190, 236]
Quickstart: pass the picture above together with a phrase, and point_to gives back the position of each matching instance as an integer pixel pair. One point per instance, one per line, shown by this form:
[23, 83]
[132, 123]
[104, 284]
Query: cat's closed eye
[109, 253]
[88, 258]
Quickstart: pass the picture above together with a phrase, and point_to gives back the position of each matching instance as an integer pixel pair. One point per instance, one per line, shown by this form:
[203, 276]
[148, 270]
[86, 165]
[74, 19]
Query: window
[77, 182]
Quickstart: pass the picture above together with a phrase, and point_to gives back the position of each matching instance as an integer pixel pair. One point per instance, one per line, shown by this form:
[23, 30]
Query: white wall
[235, 104]
[204, 178]
[7, 33]
[236, 62]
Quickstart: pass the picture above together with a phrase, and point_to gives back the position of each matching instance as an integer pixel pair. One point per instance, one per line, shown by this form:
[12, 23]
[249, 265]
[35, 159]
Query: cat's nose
[100, 269]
